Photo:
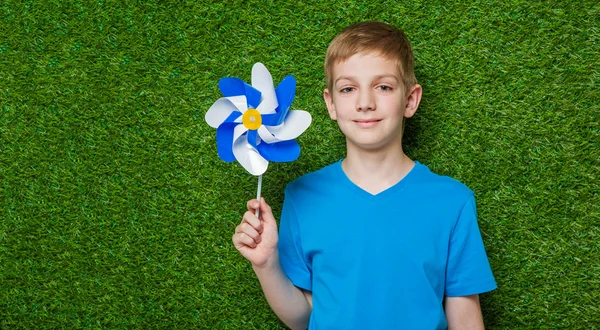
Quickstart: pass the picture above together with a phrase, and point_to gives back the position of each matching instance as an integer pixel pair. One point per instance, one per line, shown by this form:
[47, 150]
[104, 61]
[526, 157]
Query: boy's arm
[291, 304]
[308, 296]
[256, 239]
[463, 313]
[468, 272]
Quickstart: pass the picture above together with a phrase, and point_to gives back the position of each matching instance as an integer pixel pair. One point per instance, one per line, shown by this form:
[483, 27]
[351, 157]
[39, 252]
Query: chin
[372, 143]
[367, 145]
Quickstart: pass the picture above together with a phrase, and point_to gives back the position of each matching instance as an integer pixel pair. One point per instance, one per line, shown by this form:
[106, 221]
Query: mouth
[367, 123]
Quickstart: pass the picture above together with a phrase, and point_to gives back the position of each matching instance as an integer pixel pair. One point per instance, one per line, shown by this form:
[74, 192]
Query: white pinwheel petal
[266, 136]
[240, 102]
[238, 131]
[262, 80]
[296, 122]
[248, 157]
[219, 111]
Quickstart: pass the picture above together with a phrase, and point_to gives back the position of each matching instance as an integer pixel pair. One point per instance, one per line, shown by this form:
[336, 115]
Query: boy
[376, 240]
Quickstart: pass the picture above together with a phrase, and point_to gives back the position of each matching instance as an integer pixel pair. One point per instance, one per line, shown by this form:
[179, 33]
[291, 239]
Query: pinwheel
[254, 124]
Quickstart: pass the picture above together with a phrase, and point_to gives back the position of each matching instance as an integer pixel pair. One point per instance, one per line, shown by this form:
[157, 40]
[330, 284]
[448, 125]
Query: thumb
[266, 212]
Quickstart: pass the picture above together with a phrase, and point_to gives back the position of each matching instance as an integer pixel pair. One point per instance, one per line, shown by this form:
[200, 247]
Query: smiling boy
[376, 240]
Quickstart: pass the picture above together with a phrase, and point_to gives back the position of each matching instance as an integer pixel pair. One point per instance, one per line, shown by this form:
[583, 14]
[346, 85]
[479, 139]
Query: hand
[256, 238]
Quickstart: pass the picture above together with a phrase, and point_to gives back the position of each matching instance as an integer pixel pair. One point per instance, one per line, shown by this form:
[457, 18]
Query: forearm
[286, 300]
[464, 313]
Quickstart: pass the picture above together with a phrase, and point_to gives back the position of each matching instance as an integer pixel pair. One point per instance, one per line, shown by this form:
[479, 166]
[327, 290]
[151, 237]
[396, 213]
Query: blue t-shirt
[382, 261]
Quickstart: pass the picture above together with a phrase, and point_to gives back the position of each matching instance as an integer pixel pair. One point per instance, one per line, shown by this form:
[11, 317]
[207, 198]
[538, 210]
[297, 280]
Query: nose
[366, 100]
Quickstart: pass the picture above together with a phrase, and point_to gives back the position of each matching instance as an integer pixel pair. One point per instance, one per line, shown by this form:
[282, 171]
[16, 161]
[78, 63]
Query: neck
[376, 170]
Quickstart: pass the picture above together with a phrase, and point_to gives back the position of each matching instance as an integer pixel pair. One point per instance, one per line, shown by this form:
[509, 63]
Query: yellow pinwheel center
[252, 119]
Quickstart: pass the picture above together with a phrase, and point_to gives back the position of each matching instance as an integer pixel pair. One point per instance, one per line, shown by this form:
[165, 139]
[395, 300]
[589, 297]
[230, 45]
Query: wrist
[272, 263]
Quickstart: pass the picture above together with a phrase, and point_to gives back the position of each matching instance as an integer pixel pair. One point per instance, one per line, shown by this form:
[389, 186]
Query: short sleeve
[468, 270]
[291, 256]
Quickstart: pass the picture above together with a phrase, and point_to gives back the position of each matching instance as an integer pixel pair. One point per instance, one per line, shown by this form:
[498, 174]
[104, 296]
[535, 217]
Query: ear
[330, 105]
[412, 100]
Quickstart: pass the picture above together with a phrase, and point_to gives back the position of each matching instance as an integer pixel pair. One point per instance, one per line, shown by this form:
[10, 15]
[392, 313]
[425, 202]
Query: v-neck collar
[387, 192]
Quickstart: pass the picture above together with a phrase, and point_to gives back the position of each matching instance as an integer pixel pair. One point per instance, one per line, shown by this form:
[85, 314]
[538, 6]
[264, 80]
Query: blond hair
[366, 37]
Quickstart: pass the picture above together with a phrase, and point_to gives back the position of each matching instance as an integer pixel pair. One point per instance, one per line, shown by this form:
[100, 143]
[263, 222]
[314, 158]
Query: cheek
[343, 105]
[395, 107]
[334, 113]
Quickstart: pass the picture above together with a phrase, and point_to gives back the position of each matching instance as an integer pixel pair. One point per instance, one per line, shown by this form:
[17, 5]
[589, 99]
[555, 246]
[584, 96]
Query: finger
[238, 229]
[252, 205]
[241, 239]
[266, 212]
[253, 221]
[248, 230]
[238, 240]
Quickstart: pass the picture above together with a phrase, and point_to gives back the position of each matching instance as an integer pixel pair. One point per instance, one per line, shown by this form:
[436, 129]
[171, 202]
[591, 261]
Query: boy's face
[369, 101]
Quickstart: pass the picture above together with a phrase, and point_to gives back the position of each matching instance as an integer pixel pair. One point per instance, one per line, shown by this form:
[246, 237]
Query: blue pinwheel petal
[270, 119]
[284, 151]
[285, 92]
[232, 116]
[253, 96]
[231, 86]
[225, 141]
[252, 134]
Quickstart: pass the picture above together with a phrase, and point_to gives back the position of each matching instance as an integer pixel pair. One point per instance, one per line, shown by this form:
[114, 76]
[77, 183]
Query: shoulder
[316, 179]
[435, 185]
[313, 188]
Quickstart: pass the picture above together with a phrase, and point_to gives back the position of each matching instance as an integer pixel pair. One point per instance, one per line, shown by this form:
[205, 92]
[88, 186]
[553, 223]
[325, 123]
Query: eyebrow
[376, 77]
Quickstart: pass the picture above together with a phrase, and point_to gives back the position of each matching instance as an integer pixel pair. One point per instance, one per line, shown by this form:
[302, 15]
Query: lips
[367, 123]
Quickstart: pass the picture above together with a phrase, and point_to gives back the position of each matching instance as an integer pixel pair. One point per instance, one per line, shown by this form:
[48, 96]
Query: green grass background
[116, 212]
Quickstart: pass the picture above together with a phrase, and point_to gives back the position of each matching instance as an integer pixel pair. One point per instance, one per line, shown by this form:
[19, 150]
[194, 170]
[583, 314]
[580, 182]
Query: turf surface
[115, 211]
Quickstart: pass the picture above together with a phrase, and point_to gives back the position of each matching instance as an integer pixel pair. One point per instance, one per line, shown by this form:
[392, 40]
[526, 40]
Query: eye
[384, 88]
[346, 89]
